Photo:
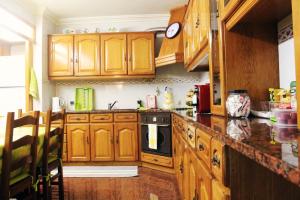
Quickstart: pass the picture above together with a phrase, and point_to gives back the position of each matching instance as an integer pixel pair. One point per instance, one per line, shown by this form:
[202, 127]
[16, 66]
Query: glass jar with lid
[238, 103]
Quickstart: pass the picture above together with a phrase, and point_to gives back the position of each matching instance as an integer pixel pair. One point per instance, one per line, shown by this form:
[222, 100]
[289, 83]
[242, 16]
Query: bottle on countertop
[293, 95]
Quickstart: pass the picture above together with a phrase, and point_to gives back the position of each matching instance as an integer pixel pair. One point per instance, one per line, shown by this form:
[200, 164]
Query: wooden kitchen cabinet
[192, 177]
[126, 141]
[195, 34]
[78, 142]
[60, 55]
[102, 142]
[219, 191]
[204, 181]
[140, 53]
[113, 54]
[87, 55]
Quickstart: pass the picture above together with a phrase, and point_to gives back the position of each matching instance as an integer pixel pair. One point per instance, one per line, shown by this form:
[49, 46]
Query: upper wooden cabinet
[102, 142]
[140, 53]
[60, 55]
[126, 141]
[195, 33]
[113, 54]
[101, 56]
[87, 55]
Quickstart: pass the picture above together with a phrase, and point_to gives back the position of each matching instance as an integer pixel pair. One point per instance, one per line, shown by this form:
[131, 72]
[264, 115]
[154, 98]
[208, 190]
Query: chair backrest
[54, 136]
[24, 161]
[43, 115]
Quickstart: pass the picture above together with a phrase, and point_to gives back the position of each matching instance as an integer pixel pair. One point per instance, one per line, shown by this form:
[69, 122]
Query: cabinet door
[126, 147]
[140, 53]
[186, 167]
[87, 55]
[204, 182]
[219, 191]
[60, 55]
[113, 54]
[102, 142]
[180, 165]
[192, 177]
[78, 142]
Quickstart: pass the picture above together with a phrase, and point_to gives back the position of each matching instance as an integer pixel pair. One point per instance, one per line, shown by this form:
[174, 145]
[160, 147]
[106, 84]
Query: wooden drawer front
[125, 117]
[156, 159]
[217, 159]
[96, 118]
[191, 135]
[77, 118]
[203, 146]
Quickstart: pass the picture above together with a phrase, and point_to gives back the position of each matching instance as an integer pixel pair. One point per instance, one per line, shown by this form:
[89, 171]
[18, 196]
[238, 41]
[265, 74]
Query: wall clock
[173, 30]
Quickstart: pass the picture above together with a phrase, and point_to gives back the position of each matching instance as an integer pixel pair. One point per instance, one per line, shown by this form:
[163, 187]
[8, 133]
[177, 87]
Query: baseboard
[100, 171]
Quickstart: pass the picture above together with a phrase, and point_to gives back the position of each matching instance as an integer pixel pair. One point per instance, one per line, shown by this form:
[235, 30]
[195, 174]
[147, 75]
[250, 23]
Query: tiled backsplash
[127, 92]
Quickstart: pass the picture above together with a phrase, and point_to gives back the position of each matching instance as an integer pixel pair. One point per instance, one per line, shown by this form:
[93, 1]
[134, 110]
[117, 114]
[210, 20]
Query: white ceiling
[91, 8]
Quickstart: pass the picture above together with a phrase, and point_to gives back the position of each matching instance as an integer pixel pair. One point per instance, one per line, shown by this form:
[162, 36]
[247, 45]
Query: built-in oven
[164, 132]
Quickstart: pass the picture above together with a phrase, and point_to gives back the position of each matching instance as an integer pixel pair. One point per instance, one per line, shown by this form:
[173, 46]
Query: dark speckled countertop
[276, 148]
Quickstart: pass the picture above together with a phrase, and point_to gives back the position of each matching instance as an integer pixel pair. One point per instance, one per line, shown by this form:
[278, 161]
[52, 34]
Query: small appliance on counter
[201, 99]
[84, 99]
[57, 104]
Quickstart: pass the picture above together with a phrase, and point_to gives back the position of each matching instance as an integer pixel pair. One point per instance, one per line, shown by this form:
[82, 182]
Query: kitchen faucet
[111, 105]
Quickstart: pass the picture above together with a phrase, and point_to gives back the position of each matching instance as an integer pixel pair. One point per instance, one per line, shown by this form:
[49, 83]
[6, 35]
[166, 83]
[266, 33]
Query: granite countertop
[275, 148]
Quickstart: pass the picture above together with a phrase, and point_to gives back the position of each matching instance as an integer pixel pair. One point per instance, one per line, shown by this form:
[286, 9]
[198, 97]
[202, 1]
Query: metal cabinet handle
[87, 140]
[215, 161]
[201, 147]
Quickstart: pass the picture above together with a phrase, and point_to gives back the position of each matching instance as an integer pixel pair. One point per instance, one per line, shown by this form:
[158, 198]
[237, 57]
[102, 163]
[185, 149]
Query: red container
[203, 104]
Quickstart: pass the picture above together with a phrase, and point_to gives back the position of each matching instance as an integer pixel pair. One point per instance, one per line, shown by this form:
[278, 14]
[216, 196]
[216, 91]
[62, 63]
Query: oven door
[164, 140]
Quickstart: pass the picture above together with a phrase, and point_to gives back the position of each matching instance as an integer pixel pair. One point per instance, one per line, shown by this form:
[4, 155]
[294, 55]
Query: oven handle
[159, 125]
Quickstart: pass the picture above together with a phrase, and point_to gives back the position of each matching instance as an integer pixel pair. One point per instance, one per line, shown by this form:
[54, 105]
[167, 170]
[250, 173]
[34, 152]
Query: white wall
[287, 70]
[128, 92]
[121, 23]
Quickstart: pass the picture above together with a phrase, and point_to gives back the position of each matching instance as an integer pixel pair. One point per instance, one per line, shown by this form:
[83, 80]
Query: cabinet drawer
[217, 159]
[96, 118]
[156, 159]
[77, 118]
[203, 146]
[191, 135]
[125, 117]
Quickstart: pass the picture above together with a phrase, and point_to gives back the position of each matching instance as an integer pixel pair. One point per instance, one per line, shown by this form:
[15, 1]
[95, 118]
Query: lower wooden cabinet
[78, 142]
[192, 177]
[219, 191]
[204, 182]
[102, 142]
[126, 147]
[200, 175]
[95, 137]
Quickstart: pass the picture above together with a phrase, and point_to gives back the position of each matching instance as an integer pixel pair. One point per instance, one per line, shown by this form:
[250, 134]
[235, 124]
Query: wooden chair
[43, 115]
[11, 186]
[52, 153]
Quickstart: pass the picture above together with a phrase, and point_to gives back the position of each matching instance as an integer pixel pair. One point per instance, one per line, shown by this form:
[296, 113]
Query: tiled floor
[149, 185]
